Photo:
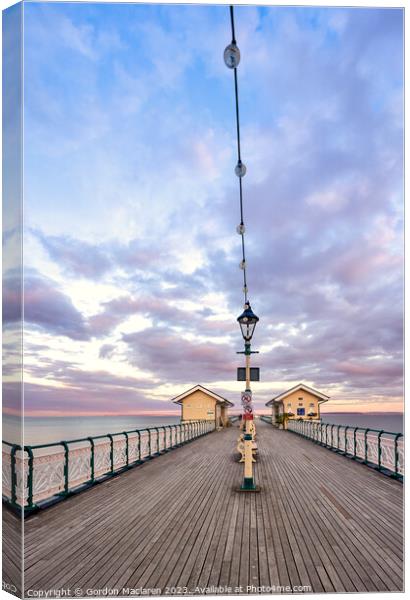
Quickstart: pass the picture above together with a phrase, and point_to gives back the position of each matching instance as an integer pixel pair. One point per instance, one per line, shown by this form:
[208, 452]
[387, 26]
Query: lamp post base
[248, 485]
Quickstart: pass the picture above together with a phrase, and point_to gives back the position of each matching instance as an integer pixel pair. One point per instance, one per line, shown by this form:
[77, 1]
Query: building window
[300, 403]
[301, 412]
[289, 405]
[312, 405]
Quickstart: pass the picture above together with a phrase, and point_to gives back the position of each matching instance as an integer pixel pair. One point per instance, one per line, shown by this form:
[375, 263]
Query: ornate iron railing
[382, 450]
[34, 476]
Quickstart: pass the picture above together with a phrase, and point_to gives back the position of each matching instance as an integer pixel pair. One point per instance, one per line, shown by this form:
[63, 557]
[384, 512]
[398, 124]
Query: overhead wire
[239, 167]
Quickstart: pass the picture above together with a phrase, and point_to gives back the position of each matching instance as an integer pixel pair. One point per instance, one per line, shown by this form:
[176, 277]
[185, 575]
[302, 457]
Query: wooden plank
[320, 520]
[148, 501]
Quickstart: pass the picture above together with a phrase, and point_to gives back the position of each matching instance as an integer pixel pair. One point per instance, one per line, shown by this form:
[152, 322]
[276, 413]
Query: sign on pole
[254, 374]
[246, 398]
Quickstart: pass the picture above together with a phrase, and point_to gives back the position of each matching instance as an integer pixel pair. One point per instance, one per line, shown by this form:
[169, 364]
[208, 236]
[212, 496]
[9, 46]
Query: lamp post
[247, 322]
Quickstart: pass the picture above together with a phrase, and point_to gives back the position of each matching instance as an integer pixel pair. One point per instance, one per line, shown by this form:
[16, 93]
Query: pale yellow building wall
[307, 399]
[198, 406]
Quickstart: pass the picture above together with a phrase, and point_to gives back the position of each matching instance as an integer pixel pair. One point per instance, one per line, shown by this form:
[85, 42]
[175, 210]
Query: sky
[132, 279]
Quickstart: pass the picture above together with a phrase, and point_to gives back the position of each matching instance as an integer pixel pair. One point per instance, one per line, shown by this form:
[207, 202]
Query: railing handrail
[99, 437]
[359, 445]
[24, 494]
[357, 427]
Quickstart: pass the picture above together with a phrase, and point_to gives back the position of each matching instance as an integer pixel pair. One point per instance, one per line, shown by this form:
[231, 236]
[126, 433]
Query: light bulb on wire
[232, 56]
[240, 169]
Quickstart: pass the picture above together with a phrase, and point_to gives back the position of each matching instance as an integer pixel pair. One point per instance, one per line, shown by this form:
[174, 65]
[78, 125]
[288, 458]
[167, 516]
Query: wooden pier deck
[321, 523]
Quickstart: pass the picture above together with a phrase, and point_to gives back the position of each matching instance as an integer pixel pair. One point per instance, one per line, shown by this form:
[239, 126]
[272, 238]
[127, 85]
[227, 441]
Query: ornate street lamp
[247, 322]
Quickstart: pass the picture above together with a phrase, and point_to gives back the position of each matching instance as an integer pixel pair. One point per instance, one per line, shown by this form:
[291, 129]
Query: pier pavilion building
[299, 402]
[199, 403]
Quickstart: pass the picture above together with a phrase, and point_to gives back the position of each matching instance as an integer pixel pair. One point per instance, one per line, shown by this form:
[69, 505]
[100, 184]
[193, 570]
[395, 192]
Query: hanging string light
[232, 57]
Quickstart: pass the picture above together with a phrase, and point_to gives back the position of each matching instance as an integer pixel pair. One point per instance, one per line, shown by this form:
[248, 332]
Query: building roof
[218, 398]
[299, 386]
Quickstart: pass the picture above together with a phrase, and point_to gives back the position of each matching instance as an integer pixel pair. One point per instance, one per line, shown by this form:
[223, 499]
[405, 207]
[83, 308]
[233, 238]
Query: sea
[46, 430]
[393, 422]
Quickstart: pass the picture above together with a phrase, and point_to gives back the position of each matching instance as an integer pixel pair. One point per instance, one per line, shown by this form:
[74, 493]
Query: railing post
[365, 445]
[110, 437]
[66, 453]
[13, 474]
[379, 450]
[30, 476]
[149, 442]
[396, 454]
[92, 459]
[157, 430]
[338, 437]
[354, 441]
[346, 428]
[126, 448]
[137, 431]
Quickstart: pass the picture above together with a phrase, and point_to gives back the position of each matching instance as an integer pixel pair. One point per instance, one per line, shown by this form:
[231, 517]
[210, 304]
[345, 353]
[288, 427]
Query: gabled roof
[218, 398]
[299, 386]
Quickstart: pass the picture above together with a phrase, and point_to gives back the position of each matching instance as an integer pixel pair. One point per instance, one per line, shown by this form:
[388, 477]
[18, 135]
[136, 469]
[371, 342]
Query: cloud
[144, 202]
[106, 351]
[49, 309]
[77, 257]
[174, 359]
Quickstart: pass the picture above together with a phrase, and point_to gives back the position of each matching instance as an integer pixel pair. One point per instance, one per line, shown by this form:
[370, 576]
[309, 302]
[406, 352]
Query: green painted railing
[35, 476]
[382, 450]
[266, 419]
